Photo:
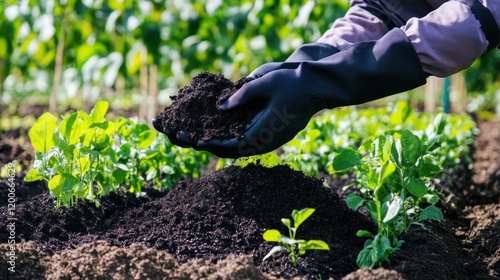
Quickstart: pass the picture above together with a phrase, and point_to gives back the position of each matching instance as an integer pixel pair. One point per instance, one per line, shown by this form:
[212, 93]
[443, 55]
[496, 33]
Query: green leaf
[145, 138]
[431, 143]
[440, 123]
[431, 198]
[274, 250]
[354, 201]
[393, 209]
[66, 126]
[428, 170]
[411, 147]
[381, 247]
[101, 141]
[287, 222]
[416, 187]
[401, 113]
[33, 175]
[61, 184]
[316, 245]
[41, 133]
[272, 235]
[83, 164]
[313, 134]
[3, 48]
[365, 258]
[74, 126]
[99, 111]
[346, 159]
[386, 171]
[362, 233]
[300, 216]
[431, 213]
[386, 151]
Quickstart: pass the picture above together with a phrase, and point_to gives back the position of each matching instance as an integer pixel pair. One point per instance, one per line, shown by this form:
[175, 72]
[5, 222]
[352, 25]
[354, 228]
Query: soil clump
[195, 110]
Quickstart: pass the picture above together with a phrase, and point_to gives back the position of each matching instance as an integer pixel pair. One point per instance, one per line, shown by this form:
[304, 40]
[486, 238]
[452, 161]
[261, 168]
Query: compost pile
[195, 110]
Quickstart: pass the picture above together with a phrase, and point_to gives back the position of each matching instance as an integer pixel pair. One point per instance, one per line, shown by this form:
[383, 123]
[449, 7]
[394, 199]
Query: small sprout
[295, 247]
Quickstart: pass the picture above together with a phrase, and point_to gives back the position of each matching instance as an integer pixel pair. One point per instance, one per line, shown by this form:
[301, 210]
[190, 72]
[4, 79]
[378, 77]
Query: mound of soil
[209, 218]
[194, 110]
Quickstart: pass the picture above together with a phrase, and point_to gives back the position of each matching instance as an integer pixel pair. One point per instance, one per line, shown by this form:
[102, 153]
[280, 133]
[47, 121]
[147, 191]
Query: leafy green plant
[314, 148]
[394, 176]
[86, 156]
[295, 247]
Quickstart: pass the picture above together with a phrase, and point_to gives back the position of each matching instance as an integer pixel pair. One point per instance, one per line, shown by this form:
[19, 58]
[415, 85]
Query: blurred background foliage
[74, 50]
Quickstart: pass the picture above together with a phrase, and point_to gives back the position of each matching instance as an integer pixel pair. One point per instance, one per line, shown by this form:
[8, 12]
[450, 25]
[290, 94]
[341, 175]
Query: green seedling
[295, 247]
[394, 175]
[85, 156]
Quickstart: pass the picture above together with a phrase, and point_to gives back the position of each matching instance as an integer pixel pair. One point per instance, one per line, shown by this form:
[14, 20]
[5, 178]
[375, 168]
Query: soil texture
[195, 110]
[211, 228]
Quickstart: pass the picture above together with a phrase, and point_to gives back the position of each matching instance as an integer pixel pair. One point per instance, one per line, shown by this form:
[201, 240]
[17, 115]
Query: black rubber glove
[307, 52]
[295, 91]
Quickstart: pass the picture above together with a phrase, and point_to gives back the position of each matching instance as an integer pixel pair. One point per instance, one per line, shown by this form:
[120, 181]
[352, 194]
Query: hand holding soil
[194, 116]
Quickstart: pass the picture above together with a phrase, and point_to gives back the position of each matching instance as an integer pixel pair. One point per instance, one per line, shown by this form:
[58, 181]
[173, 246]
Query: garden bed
[212, 227]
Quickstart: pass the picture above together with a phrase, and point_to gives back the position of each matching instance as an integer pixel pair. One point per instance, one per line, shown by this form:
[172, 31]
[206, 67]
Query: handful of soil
[194, 110]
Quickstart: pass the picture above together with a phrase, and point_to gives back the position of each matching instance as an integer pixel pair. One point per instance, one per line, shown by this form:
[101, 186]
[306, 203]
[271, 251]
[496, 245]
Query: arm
[361, 71]
[450, 38]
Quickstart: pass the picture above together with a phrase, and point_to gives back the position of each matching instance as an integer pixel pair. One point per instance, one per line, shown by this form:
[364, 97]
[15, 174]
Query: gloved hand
[295, 91]
[307, 52]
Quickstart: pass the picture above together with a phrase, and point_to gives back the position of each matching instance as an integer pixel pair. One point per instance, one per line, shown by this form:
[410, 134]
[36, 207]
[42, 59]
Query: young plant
[295, 247]
[394, 179]
[86, 156]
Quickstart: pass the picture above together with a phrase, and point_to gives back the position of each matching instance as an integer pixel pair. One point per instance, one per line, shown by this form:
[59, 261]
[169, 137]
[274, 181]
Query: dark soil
[211, 228]
[16, 150]
[223, 213]
[194, 110]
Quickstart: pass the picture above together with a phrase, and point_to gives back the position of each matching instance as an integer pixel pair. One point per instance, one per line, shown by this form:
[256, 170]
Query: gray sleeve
[358, 25]
[448, 39]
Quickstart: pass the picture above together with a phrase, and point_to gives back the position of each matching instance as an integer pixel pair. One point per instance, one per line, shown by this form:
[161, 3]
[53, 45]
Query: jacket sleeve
[357, 25]
[449, 39]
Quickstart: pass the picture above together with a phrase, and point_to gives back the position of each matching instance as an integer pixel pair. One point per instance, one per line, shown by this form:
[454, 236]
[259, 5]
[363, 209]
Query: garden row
[402, 152]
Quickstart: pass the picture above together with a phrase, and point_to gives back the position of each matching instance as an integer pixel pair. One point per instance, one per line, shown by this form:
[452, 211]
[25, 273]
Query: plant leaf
[428, 170]
[300, 216]
[145, 138]
[411, 147]
[60, 184]
[386, 171]
[416, 187]
[354, 201]
[362, 233]
[431, 213]
[275, 249]
[365, 258]
[101, 141]
[99, 111]
[286, 222]
[33, 175]
[41, 133]
[348, 158]
[272, 235]
[83, 164]
[393, 209]
[316, 245]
